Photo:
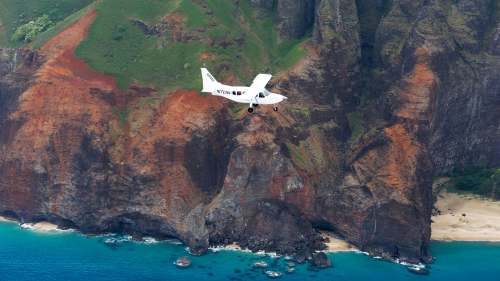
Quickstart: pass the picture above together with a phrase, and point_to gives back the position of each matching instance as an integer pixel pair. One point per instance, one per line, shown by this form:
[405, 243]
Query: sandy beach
[466, 218]
[336, 244]
[2, 219]
[39, 226]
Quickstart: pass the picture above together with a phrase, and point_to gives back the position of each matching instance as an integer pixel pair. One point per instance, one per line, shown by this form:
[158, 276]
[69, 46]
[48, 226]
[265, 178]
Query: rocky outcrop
[463, 103]
[495, 42]
[336, 31]
[294, 17]
[321, 260]
[17, 68]
[251, 208]
[263, 4]
[465, 122]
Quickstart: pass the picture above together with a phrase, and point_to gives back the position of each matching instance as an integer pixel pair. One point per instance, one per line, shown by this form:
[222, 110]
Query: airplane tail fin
[209, 82]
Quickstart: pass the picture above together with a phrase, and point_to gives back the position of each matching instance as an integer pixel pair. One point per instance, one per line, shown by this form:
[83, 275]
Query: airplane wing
[258, 85]
[260, 82]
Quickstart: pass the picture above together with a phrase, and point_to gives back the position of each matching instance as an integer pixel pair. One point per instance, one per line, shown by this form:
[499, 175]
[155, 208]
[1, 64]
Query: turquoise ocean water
[27, 255]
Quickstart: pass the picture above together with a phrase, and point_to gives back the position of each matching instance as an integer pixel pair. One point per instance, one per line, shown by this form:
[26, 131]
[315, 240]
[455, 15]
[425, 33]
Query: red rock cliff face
[78, 151]
[71, 159]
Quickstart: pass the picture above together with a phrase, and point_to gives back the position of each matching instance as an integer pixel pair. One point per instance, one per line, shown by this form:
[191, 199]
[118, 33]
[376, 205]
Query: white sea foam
[4, 219]
[173, 241]
[237, 248]
[149, 240]
[117, 239]
[232, 247]
[416, 265]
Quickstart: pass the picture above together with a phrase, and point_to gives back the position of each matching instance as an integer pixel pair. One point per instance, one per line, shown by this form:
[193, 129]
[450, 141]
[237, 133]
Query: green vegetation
[193, 14]
[122, 114]
[227, 37]
[301, 113]
[309, 154]
[115, 46]
[296, 156]
[16, 13]
[484, 182]
[60, 26]
[289, 54]
[356, 124]
[27, 32]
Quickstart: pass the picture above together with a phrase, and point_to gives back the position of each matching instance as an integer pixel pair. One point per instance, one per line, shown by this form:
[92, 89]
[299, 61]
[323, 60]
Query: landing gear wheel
[256, 105]
[275, 108]
[250, 110]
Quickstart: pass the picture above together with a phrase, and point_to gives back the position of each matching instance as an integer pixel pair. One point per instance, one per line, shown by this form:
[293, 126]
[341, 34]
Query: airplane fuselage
[253, 96]
[237, 94]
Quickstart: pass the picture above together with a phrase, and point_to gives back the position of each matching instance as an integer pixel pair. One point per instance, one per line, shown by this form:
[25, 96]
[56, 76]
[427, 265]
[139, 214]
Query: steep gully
[268, 181]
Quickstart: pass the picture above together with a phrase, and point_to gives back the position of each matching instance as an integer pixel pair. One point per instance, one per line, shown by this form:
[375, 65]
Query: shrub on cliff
[27, 32]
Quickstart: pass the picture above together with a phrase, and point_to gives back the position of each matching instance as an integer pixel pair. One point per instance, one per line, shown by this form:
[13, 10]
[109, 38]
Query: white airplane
[254, 95]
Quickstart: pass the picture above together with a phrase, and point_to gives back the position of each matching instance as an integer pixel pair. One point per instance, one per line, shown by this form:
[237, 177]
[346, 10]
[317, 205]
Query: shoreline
[335, 244]
[41, 227]
[461, 218]
[3, 219]
[464, 217]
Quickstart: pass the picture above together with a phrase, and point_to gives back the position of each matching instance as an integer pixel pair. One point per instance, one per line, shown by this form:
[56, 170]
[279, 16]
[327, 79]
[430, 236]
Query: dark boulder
[320, 260]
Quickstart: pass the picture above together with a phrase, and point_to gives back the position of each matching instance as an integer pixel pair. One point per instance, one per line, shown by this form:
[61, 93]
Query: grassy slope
[14, 13]
[115, 46]
[3, 37]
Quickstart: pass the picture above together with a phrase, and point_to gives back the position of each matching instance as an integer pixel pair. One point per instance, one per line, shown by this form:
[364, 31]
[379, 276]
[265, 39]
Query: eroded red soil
[416, 95]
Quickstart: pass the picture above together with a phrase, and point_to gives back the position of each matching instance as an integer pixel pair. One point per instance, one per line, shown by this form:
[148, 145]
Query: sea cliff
[388, 94]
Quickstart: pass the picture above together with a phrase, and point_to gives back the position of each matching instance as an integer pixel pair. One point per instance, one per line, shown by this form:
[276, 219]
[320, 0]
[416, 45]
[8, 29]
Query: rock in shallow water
[321, 260]
[183, 262]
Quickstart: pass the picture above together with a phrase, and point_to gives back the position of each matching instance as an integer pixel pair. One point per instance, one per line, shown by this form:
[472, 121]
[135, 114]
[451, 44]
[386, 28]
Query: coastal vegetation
[484, 182]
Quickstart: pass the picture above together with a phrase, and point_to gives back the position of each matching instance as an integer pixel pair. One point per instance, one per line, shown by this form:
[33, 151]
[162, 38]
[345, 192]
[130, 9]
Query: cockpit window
[261, 95]
[238, 93]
